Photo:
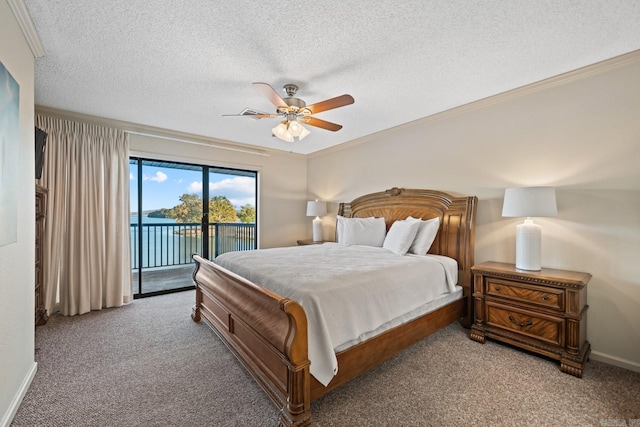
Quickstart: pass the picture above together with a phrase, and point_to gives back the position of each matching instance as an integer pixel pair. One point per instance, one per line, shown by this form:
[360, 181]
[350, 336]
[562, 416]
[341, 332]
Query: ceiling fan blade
[329, 104]
[253, 116]
[253, 113]
[312, 121]
[271, 94]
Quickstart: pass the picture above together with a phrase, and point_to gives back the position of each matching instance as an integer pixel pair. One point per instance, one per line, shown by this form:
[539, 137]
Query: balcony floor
[159, 279]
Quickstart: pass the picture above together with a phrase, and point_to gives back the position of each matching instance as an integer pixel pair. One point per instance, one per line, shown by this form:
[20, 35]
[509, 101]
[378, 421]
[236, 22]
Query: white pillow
[361, 231]
[425, 236]
[340, 221]
[401, 236]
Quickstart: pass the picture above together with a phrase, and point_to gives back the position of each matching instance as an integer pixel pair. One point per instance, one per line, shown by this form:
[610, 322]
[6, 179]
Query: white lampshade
[529, 202]
[317, 209]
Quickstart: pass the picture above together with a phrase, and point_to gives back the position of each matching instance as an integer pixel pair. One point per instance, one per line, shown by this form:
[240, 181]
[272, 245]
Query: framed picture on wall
[9, 137]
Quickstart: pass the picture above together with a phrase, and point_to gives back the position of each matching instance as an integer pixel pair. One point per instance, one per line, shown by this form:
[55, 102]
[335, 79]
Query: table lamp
[317, 209]
[529, 202]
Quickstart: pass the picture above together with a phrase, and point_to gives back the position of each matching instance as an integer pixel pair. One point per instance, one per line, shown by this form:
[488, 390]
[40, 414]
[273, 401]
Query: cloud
[239, 184]
[195, 187]
[158, 177]
[238, 203]
[239, 190]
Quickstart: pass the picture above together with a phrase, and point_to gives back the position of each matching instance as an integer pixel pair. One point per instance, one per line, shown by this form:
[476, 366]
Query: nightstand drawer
[534, 325]
[542, 296]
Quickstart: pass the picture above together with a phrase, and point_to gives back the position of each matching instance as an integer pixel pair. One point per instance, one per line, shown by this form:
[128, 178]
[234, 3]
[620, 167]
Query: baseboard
[17, 399]
[615, 361]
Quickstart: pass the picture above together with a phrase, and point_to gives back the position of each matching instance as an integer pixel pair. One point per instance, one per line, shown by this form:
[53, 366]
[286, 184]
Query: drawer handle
[544, 298]
[527, 323]
[498, 288]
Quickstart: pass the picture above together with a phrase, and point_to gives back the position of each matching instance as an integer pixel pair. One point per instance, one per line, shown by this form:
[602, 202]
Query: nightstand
[310, 242]
[543, 311]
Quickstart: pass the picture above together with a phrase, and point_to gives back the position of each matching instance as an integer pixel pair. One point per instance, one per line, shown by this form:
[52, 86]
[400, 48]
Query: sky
[162, 187]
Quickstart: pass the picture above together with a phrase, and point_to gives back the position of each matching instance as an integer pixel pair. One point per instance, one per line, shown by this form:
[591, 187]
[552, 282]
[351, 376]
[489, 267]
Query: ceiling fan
[295, 112]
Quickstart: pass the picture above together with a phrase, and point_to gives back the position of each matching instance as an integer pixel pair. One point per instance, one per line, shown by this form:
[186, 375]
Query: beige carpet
[149, 364]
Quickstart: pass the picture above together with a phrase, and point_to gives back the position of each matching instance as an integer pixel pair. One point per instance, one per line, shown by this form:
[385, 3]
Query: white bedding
[327, 279]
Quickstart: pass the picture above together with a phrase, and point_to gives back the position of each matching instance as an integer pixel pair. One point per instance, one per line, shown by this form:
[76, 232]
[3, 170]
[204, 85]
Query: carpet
[149, 364]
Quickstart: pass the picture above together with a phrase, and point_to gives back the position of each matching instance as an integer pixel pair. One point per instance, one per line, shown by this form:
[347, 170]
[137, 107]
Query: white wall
[17, 277]
[579, 132]
[282, 183]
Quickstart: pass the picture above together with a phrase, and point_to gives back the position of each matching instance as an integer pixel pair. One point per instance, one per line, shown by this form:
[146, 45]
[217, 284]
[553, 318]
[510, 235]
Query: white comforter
[346, 291]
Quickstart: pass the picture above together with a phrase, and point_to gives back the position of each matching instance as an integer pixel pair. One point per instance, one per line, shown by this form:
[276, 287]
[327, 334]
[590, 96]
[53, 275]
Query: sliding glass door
[179, 209]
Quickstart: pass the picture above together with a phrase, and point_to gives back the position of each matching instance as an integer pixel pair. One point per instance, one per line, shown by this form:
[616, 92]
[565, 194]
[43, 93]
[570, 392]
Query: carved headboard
[456, 236]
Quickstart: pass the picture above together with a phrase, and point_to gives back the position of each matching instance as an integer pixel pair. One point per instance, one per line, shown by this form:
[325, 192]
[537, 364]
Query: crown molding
[26, 25]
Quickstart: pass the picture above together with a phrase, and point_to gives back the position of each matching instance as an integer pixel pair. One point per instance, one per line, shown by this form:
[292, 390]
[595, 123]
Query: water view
[151, 220]
[165, 242]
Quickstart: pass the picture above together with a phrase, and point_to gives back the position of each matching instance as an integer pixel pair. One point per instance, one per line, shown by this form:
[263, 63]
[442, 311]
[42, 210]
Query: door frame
[205, 226]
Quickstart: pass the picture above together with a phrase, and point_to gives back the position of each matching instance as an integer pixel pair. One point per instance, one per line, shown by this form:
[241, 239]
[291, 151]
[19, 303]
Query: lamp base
[528, 246]
[317, 230]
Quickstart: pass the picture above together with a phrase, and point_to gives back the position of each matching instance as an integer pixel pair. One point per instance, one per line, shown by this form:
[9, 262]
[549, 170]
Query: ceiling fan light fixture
[304, 133]
[295, 128]
[282, 132]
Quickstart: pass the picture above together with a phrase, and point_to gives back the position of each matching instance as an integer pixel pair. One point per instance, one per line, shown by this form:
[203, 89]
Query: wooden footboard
[266, 332]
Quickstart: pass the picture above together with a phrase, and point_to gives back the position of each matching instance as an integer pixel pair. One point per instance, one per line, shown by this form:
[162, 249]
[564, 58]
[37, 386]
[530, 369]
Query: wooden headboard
[456, 235]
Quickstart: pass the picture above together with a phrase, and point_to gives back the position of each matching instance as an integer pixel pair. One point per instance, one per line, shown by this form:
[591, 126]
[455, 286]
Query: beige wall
[579, 132]
[282, 183]
[17, 365]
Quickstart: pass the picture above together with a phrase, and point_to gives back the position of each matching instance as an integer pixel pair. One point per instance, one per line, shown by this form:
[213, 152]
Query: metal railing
[172, 244]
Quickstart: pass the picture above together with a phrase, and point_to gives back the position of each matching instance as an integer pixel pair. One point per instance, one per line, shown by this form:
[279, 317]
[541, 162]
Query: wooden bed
[268, 333]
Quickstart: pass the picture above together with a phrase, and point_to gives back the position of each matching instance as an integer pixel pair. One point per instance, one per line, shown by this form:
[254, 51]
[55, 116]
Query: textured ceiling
[181, 65]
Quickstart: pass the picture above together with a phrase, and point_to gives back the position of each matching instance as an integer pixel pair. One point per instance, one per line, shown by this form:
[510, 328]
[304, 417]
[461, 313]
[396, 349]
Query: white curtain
[87, 262]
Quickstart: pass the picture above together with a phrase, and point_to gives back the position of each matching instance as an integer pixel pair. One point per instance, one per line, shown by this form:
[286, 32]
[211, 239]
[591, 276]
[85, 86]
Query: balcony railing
[165, 245]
